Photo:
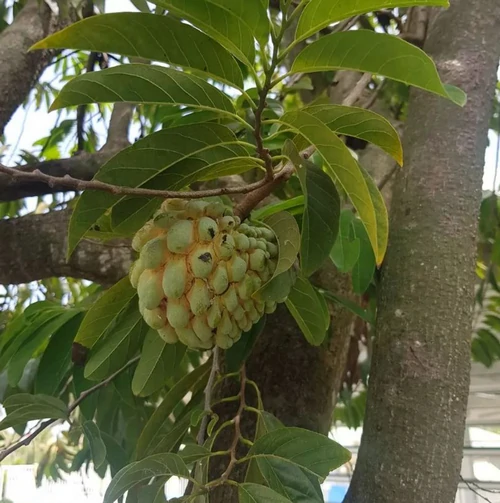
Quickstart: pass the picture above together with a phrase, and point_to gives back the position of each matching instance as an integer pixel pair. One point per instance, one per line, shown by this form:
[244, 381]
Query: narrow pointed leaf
[97, 446]
[320, 220]
[237, 354]
[158, 362]
[117, 346]
[141, 471]
[56, 358]
[152, 432]
[158, 38]
[24, 407]
[345, 251]
[360, 123]
[379, 53]
[232, 24]
[104, 313]
[309, 311]
[341, 166]
[311, 451]
[294, 206]
[362, 273]
[256, 493]
[168, 159]
[320, 13]
[138, 83]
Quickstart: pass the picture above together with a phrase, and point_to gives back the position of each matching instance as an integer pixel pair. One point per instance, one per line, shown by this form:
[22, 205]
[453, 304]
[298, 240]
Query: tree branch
[34, 247]
[29, 438]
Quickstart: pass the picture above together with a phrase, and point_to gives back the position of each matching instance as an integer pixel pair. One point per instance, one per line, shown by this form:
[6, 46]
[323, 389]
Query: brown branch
[119, 125]
[32, 435]
[71, 183]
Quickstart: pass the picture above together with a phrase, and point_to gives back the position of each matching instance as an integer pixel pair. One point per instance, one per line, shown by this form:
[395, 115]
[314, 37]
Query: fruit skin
[149, 289]
[198, 270]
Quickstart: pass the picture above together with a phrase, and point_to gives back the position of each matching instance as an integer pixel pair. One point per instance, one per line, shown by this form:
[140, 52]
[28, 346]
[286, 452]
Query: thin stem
[208, 395]
[29, 438]
[237, 429]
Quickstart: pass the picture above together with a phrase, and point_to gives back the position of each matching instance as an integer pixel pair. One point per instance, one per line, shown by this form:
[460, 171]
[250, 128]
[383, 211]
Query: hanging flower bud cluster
[197, 271]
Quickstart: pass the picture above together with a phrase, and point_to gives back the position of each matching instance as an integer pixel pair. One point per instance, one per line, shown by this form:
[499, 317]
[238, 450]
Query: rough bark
[411, 448]
[21, 68]
[34, 247]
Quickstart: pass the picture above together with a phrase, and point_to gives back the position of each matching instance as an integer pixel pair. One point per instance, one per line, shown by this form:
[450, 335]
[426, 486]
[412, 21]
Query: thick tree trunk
[411, 448]
[21, 68]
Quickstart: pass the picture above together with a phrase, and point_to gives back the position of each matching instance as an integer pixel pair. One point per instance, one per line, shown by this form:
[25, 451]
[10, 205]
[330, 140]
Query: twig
[208, 395]
[237, 428]
[79, 185]
[474, 490]
[32, 435]
[355, 94]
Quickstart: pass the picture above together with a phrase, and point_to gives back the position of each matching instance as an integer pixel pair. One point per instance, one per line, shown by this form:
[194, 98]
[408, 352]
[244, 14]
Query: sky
[27, 126]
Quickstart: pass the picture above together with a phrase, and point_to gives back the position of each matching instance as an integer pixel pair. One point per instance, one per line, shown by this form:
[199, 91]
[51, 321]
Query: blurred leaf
[159, 38]
[97, 446]
[104, 313]
[142, 471]
[309, 310]
[350, 305]
[255, 493]
[158, 362]
[393, 58]
[24, 407]
[152, 432]
[56, 358]
[117, 346]
[294, 206]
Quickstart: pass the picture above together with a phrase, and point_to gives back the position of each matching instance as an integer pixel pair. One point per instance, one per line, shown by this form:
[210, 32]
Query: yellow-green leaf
[159, 38]
[320, 13]
[341, 166]
[379, 53]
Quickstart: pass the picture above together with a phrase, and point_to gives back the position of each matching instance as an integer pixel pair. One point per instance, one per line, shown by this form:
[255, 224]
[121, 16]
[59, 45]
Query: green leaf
[237, 354]
[320, 221]
[294, 206]
[104, 313]
[278, 288]
[168, 159]
[379, 53]
[158, 38]
[290, 481]
[20, 359]
[256, 493]
[360, 123]
[97, 446]
[158, 362]
[56, 359]
[309, 311]
[232, 24]
[117, 346]
[24, 407]
[194, 452]
[288, 235]
[115, 454]
[364, 268]
[345, 251]
[88, 406]
[321, 13]
[349, 305]
[142, 471]
[381, 214]
[137, 83]
[152, 432]
[131, 213]
[342, 167]
[309, 450]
